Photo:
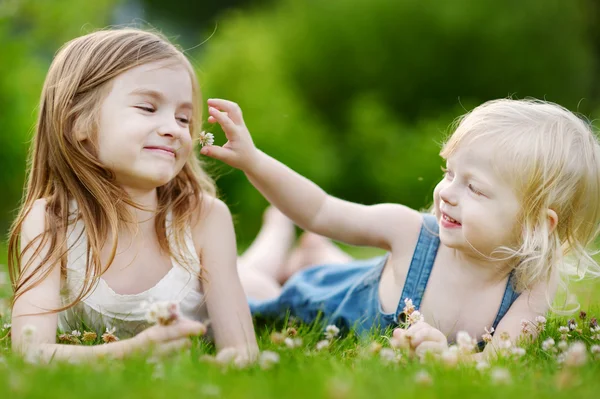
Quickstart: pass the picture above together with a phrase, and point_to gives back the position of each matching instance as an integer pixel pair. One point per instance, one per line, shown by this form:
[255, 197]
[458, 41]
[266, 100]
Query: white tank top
[104, 308]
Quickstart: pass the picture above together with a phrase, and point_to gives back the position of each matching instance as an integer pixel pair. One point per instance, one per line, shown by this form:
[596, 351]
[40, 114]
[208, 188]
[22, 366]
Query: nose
[169, 127]
[448, 194]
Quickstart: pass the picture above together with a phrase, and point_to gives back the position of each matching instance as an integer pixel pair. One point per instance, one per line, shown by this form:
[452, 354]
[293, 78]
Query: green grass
[346, 369]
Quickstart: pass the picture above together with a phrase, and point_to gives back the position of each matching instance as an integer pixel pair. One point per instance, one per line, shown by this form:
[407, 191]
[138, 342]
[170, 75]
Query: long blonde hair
[552, 159]
[63, 169]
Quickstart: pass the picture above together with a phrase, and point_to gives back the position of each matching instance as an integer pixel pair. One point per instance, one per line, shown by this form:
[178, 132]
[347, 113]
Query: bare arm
[34, 309]
[299, 198]
[225, 300]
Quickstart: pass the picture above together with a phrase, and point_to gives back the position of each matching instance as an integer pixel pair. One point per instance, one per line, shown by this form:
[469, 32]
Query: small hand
[420, 338]
[169, 338]
[239, 149]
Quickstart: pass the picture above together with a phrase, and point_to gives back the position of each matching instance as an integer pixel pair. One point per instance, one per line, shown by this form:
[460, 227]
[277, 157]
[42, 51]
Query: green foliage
[31, 31]
[357, 95]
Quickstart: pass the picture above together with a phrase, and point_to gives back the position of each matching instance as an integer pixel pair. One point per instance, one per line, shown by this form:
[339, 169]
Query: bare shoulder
[35, 221]
[402, 224]
[213, 217]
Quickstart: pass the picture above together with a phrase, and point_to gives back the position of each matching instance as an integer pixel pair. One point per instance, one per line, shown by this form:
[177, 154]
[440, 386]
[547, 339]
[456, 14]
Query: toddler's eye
[145, 108]
[448, 173]
[185, 121]
[474, 190]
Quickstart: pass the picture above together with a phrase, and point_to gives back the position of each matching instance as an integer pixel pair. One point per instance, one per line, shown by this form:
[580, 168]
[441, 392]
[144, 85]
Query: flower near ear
[206, 139]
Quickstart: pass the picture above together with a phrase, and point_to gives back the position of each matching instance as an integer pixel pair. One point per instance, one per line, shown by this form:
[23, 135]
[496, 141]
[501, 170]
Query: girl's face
[476, 209]
[144, 135]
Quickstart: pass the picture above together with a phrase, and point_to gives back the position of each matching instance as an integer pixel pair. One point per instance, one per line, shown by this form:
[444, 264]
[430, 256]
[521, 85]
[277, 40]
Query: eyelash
[151, 110]
[471, 187]
[474, 190]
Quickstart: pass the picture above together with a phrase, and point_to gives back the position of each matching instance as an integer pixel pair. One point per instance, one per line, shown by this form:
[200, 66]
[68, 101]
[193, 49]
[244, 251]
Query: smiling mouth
[449, 219]
[161, 150]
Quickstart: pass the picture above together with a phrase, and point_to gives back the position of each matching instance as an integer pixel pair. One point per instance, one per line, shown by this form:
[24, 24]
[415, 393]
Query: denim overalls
[348, 294]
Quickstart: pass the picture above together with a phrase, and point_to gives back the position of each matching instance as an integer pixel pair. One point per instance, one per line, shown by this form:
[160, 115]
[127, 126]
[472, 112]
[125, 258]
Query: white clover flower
[109, 336]
[450, 356]
[293, 342]
[76, 333]
[267, 359]
[465, 343]
[331, 332]
[563, 329]
[6, 326]
[388, 355]
[423, 378]
[487, 337]
[518, 351]
[408, 307]
[572, 325]
[415, 317]
[323, 344]
[576, 355]
[540, 322]
[525, 328]
[163, 313]
[482, 365]
[548, 344]
[500, 375]
[206, 139]
[562, 345]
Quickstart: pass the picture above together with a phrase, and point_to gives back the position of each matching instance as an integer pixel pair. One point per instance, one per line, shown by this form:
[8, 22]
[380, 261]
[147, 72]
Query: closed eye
[474, 190]
[147, 109]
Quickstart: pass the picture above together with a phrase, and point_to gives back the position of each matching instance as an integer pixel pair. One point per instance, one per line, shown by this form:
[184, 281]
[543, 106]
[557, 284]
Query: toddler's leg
[313, 250]
[258, 285]
[269, 251]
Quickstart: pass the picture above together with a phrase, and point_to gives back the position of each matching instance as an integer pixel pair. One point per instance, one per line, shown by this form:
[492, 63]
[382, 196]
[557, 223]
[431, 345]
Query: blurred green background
[355, 94]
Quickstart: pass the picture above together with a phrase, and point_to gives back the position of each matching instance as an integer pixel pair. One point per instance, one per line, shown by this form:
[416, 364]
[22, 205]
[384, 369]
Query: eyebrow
[158, 96]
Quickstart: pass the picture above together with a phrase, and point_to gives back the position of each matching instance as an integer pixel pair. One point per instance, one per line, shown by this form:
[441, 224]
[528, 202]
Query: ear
[552, 219]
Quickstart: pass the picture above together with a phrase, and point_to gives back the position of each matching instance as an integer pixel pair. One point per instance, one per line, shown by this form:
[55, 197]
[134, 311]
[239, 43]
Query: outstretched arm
[300, 199]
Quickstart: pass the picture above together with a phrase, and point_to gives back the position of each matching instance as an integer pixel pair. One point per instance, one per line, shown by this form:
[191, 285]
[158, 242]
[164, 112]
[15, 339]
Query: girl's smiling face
[144, 133]
[477, 210]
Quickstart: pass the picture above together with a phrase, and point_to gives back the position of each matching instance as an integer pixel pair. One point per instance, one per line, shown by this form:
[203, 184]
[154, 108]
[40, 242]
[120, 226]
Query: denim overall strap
[421, 264]
[507, 300]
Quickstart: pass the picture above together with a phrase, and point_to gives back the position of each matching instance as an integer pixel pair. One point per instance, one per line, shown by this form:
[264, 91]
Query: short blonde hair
[552, 159]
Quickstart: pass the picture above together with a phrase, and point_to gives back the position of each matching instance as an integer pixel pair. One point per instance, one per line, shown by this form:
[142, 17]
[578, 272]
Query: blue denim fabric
[347, 295]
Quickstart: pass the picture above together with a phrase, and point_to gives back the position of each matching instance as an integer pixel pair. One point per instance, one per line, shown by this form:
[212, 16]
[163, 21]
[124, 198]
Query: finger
[428, 334]
[414, 328]
[429, 347]
[180, 329]
[173, 346]
[222, 118]
[233, 109]
[216, 152]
